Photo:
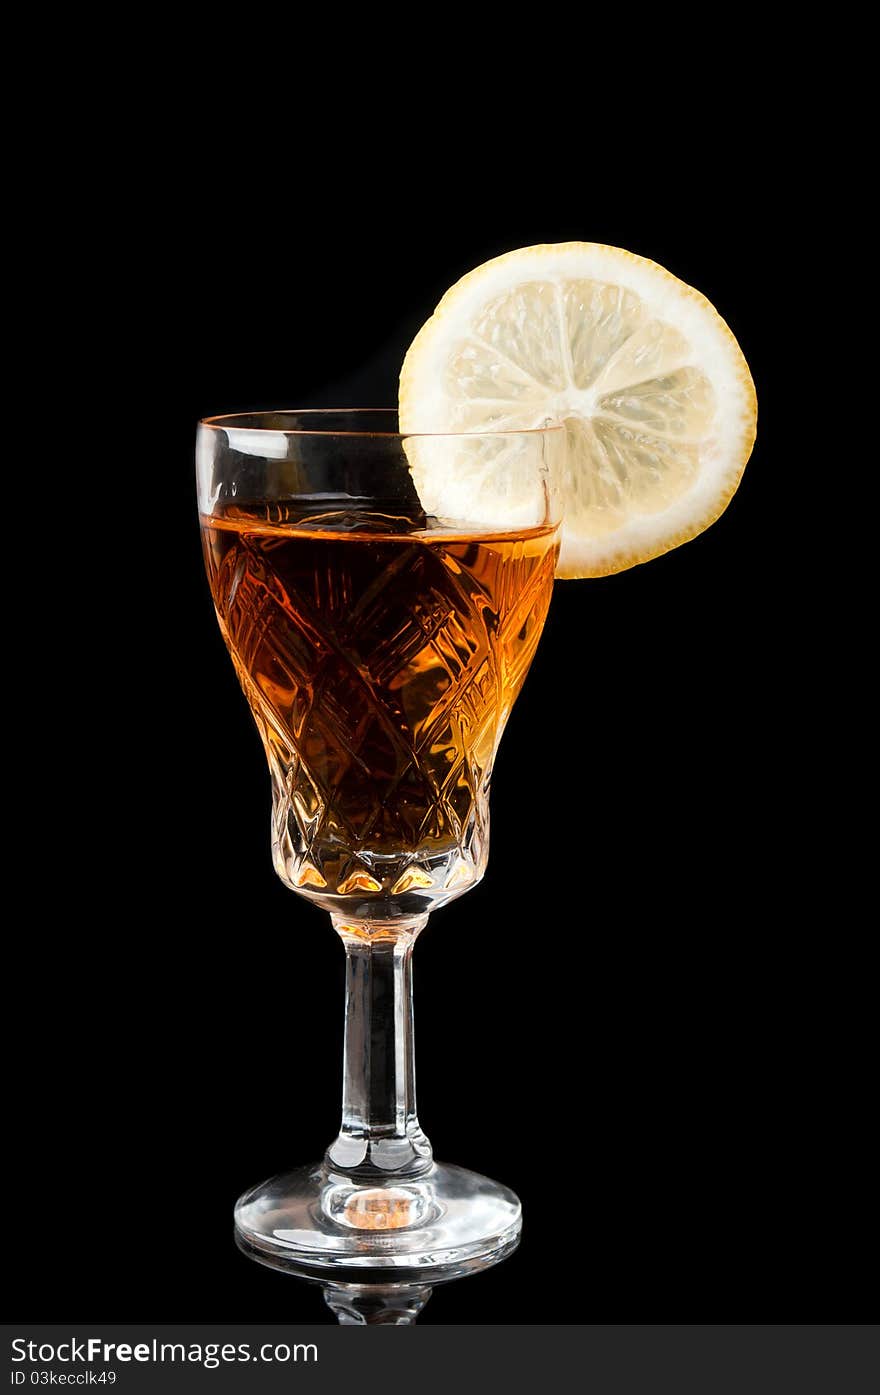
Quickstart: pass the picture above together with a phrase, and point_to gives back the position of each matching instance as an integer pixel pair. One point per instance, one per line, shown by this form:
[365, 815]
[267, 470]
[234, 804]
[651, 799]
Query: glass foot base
[447, 1222]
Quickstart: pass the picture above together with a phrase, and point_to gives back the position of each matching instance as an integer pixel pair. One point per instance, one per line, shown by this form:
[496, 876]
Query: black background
[646, 1019]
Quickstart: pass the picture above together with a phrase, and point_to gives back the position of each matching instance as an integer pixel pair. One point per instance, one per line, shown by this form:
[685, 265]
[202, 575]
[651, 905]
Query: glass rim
[234, 421]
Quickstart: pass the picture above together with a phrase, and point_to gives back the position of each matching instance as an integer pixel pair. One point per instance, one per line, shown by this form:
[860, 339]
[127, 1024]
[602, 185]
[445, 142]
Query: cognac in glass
[381, 651]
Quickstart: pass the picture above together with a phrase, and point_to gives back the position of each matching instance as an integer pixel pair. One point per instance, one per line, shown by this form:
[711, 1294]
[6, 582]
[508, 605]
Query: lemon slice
[657, 401]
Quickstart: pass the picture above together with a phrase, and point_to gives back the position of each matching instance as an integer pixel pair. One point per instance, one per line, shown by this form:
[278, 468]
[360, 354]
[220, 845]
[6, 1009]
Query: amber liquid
[380, 666]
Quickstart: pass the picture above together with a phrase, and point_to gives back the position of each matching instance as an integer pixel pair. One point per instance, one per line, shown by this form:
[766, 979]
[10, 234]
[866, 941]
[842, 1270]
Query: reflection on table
[362, 1301]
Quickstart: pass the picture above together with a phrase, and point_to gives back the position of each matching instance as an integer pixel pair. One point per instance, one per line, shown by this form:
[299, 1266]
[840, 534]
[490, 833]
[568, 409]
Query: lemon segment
[657, 400]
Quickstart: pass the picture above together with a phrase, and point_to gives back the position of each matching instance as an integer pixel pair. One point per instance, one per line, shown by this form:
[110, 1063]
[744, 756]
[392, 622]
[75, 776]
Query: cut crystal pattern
[380, 674]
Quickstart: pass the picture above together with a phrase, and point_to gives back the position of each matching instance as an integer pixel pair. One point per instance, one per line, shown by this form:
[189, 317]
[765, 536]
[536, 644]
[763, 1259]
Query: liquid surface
[380, 664]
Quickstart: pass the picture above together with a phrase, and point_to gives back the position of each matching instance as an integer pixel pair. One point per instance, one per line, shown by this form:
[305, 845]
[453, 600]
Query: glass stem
[380, 1138]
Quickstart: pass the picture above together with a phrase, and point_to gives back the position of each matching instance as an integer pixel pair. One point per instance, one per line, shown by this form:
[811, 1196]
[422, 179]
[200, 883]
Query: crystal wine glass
[381, 650]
